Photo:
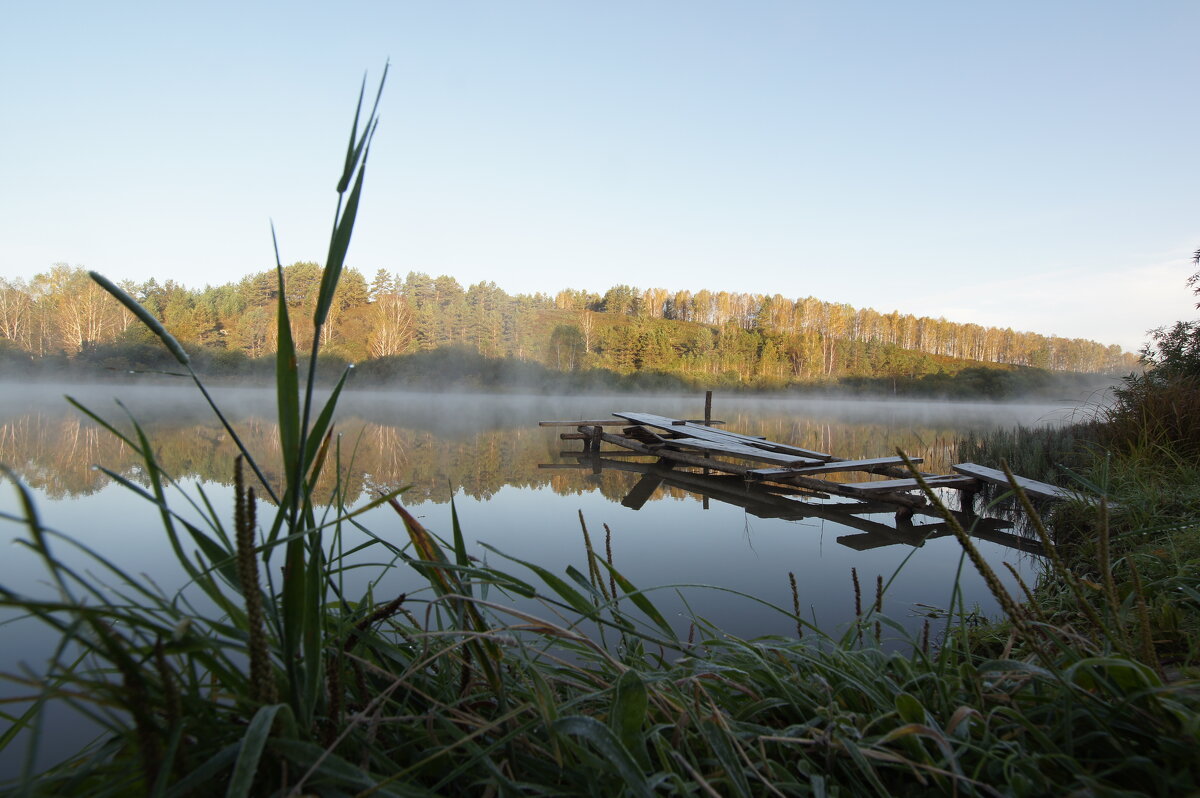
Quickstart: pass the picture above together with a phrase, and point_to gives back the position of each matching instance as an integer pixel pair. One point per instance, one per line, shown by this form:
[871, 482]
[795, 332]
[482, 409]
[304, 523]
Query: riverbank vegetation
[1142, 451]
[268, 677]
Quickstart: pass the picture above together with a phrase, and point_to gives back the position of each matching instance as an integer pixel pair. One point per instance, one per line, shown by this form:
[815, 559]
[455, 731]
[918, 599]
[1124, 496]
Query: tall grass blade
[568, 594]
[254, 741]
[629, 714]
[339, 245]
[607, 743]
[321, 426]
[144, 316]
[640, 601]
[287, 391]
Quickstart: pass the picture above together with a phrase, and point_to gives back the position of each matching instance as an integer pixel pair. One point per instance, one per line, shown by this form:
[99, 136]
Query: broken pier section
[768, 477]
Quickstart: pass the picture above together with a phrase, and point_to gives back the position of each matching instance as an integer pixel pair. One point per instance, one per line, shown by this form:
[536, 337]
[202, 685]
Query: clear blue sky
[1024, 164]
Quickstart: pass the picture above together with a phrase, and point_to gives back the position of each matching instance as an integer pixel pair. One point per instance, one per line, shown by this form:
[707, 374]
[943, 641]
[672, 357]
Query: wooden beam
[997, 477]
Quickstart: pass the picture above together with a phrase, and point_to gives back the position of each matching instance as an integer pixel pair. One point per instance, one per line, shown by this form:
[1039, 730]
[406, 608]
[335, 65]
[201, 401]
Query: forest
[418, 326]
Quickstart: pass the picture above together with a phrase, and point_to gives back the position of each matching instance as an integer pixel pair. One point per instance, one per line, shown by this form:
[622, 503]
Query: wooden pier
[771, 479]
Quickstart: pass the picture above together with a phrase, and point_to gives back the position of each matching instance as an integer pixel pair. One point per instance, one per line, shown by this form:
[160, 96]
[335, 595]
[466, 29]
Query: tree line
[734, 338]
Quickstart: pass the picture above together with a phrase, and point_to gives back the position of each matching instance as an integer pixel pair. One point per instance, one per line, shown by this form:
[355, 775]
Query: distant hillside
[61, 318]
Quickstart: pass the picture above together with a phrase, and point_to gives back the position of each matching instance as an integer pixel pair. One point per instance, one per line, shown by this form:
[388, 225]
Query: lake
[486, 452]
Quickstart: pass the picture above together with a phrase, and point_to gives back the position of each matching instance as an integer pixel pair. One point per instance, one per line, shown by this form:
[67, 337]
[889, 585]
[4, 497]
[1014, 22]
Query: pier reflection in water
[485, 451]
[765, 500]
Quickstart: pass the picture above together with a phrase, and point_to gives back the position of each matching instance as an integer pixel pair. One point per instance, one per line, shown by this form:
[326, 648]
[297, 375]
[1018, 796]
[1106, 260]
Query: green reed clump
[1046, 452]
[1150, 411]
[263, 677]
[1145, 554]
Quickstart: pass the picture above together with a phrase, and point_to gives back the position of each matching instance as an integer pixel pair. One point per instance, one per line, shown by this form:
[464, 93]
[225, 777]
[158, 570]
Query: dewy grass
[288, 686]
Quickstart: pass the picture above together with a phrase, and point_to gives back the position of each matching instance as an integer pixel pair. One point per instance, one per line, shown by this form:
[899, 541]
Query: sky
[1020, 164]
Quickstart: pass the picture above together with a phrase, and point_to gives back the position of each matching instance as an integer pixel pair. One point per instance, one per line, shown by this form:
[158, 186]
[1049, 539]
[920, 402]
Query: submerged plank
[831, 467]
[603, 422]
[893, 485]
[642, 491]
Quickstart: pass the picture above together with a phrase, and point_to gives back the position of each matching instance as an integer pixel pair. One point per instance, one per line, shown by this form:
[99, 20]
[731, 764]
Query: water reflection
[485, 451]
[764, 500]
[437, 444]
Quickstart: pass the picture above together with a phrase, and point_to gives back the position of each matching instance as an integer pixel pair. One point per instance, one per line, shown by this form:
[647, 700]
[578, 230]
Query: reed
[454, 689]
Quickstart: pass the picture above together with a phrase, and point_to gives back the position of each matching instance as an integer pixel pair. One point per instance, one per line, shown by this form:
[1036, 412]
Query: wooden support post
[594, 448]
[707, 423]
[966, 501]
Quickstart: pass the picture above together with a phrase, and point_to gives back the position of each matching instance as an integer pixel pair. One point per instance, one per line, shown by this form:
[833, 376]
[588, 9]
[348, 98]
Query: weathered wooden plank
[674, 424]
[734, 449]
[709, 434]
[609, 422]
[997, 477]
[602, 453]
[894, 485]
[603, 422]
[830, 467]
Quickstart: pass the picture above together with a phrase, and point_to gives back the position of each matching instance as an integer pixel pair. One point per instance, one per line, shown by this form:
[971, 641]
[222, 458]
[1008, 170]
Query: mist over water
[485, 452]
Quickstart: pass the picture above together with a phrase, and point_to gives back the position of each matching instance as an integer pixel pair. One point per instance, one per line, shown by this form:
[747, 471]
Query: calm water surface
[485, 453]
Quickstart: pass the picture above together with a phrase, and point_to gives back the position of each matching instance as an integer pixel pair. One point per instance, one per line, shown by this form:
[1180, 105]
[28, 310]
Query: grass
[1141, 453]
[264, 676]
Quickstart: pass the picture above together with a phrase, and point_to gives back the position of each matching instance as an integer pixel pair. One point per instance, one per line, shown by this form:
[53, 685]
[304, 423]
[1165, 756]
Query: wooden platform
[694, 430]
[728, 463]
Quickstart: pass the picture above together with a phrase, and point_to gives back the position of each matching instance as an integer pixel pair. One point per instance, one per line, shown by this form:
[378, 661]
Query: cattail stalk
[593, 569]
[1031, 604]
[262, 679]
[878, 607]
[857, 603]
[1148, 654]
[796, 604]
[1010, 607]
[612, 579]
[1104, 563]
[1056, 560]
